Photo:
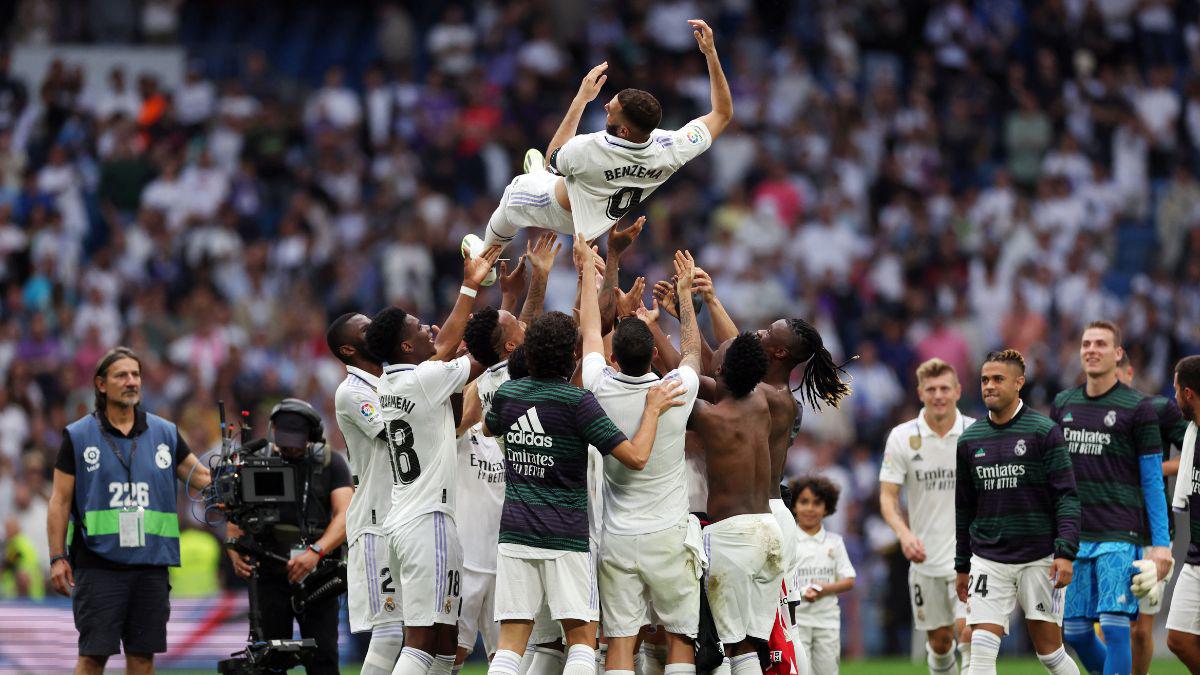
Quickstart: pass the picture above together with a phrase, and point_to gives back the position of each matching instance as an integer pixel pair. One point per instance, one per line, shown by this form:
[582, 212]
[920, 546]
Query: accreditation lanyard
[131, 519]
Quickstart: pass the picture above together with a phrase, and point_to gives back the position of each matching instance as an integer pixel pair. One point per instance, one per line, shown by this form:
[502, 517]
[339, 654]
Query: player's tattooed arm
[540, 255]
[588, 90]
[689, 331]
[722, 97]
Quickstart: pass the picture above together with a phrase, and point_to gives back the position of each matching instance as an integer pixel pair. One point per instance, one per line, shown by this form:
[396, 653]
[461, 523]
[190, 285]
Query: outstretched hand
[541, 254]
[619, 240]
[685, 273]
[629, 303]
[593, 82]
[513, 283]
[664, 295]
[476, 268]
[704, 36]
[703, 285]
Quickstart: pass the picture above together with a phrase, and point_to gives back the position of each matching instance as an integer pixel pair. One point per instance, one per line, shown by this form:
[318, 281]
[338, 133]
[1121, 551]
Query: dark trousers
[319, 621]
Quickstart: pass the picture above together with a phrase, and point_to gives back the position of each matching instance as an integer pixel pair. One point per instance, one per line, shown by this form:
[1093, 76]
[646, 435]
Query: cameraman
[308, 531]
[115, 481]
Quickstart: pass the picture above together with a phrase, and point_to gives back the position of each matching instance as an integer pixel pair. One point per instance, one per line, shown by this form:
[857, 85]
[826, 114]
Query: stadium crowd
[916, 179]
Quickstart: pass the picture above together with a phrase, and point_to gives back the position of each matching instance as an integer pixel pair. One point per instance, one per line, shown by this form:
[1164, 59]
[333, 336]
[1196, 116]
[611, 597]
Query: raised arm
[512, 285]
[619, 241]
[689, 331]
[475, 270]
[722, 98]
[589, 308]
[723, 326]
[541, 257]
[668, 356]
[588, 90]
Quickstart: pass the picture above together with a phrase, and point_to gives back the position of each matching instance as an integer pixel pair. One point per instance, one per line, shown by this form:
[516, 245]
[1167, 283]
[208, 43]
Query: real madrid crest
[389, 604]
[914, 442]
[1019, 450]
[1111, 418]
[162, 458]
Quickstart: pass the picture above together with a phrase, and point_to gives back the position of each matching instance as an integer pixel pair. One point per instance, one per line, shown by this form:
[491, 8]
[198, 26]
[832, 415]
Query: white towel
[1183, 480]
[694, 542]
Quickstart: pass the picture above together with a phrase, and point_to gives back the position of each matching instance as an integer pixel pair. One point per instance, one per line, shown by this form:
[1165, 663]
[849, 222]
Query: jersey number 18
[406, 466]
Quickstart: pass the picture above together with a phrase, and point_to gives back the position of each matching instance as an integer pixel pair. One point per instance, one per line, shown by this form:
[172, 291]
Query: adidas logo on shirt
[527, 430]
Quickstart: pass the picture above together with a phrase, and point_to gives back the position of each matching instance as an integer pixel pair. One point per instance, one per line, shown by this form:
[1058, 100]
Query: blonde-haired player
[920, 455]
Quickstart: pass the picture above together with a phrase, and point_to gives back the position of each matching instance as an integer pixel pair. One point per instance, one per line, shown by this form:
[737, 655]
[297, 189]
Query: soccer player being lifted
[1017, 519]
[588, 182]
[1116, 451]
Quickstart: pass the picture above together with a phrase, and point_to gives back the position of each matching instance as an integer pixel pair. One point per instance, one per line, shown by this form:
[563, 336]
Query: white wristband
[469, 292]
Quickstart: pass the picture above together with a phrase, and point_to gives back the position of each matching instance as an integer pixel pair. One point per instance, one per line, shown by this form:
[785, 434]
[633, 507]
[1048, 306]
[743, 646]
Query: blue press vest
[103, 486]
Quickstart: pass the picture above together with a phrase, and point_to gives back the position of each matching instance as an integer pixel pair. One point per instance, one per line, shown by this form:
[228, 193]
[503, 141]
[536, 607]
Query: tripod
[262, 656]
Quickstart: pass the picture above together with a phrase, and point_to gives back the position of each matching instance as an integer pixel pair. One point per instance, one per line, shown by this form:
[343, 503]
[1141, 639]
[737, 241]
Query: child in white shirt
[824, 572]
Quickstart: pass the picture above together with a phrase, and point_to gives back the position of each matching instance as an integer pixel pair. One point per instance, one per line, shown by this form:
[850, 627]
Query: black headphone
[316, 432]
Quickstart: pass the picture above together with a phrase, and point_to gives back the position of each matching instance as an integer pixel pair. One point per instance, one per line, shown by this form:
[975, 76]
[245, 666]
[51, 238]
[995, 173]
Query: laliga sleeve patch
[694, 135]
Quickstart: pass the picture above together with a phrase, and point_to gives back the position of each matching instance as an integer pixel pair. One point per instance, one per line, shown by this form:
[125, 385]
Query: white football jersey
[823, 560]
[926, 464]
[608, 176]
[480, 498]
[419, 423]
[356, 407]
[655, 498]
[488, 382]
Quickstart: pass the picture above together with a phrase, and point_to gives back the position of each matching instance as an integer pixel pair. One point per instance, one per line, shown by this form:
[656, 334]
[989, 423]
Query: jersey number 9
[623, 201]
[406, 467]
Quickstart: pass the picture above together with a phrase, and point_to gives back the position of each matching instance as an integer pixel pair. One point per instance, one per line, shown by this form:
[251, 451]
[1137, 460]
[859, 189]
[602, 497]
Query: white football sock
[601, 657]
[724, 669]
[746, 664]
[985, 646]
[940, 663]
[654, 659]
[382, 654]
[412, 661]
[505, 662]
[1059, 663]
[547, 661]
[581, 660]
[680, 669]
[964, 656]
[526, 660]
[442, 665]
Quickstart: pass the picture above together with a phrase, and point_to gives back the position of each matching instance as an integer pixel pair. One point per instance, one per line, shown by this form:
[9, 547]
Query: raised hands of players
[512, 284]
[664, 294]
[704, 36]
[541, 254]
[648, 315]
[621, 239]
[629, 303]
[475, 269]
[1061, 571]
[589, 89]
[703, 285]
[685, 273]
[912, 547]
[664, 396]
[962, 583]
[582, 254]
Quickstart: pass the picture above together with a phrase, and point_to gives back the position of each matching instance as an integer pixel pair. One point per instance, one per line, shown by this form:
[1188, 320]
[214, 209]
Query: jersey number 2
[623, 201]
[406, 467]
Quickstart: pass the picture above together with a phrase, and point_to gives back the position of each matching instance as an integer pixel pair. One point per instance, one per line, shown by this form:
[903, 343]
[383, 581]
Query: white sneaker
[534, 160]
[472, 246]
